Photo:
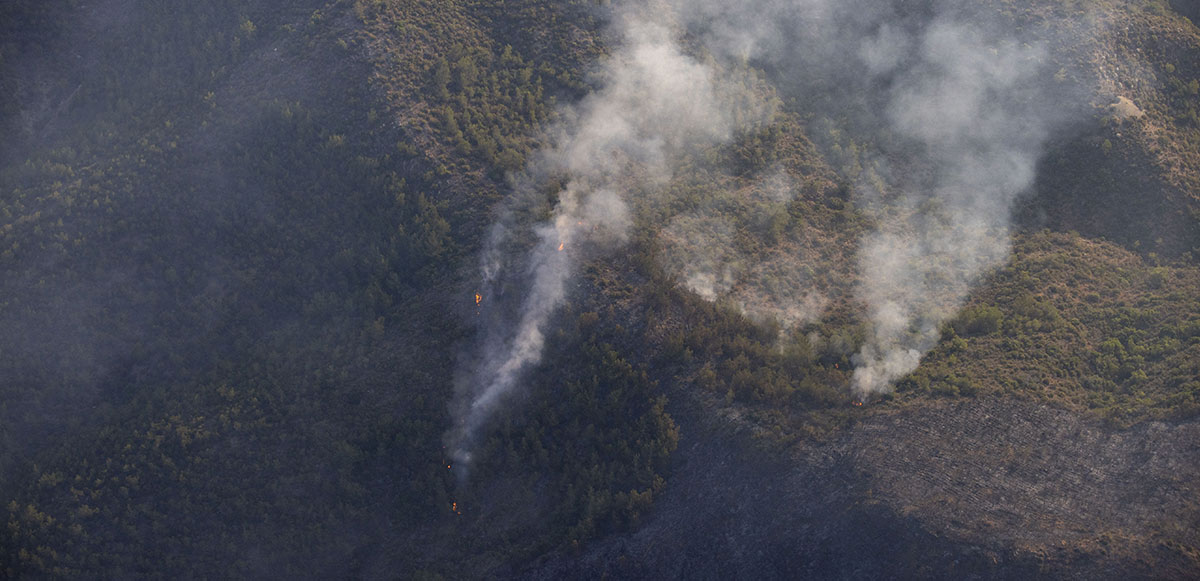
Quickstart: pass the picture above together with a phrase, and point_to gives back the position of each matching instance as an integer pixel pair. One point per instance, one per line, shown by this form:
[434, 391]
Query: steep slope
[1134, 176]
[976, 489]
[239, 244]
[208, 271]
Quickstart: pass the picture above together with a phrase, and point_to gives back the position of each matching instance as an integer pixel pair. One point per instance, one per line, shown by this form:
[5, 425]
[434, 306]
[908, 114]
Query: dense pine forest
[263, 267]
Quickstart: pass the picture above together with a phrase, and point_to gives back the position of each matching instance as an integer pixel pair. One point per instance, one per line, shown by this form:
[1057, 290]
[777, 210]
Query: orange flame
[478, 298]
[856, 403]
[560, 246]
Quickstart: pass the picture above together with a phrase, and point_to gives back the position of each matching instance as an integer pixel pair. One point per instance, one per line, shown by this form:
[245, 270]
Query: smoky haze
[959, 106]
[963, 102]
[958, 109]
[654, 103]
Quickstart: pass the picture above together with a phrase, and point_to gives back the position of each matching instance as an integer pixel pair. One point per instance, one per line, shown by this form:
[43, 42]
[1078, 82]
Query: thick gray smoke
[655, 103]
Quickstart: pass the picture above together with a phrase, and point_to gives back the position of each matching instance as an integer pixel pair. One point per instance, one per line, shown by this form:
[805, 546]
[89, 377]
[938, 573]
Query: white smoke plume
[958, 100]
[654, 104]
[965, 105]
[962, 102]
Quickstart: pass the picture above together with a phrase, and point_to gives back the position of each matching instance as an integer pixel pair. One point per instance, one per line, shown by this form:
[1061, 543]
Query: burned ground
[997, 489]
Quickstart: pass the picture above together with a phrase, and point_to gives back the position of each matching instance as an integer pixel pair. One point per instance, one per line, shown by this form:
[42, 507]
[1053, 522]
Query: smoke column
[965, 104]
[966, 109]
[654, 104]
[962, 103]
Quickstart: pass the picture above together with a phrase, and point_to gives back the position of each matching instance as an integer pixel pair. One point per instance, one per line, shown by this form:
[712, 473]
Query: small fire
[560, 246]
[454, 506]
[856, 403]
[478, 299]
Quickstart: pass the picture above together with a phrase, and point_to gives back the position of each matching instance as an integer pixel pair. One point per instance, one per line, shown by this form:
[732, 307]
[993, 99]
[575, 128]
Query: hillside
[527, 289]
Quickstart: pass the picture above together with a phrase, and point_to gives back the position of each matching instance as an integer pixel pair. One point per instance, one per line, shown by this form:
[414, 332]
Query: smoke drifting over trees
[964, 107]
[967, 106]
[654, 104]
[961, 102]
[676, 253]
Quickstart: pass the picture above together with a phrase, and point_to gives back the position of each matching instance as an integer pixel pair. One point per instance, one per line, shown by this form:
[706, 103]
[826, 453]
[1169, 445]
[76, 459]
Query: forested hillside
[257, 258]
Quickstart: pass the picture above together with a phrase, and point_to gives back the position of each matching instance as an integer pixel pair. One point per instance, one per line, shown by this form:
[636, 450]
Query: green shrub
[978, 320]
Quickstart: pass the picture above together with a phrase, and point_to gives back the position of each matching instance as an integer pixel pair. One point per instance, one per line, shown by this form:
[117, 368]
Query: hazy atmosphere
[636, 289]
